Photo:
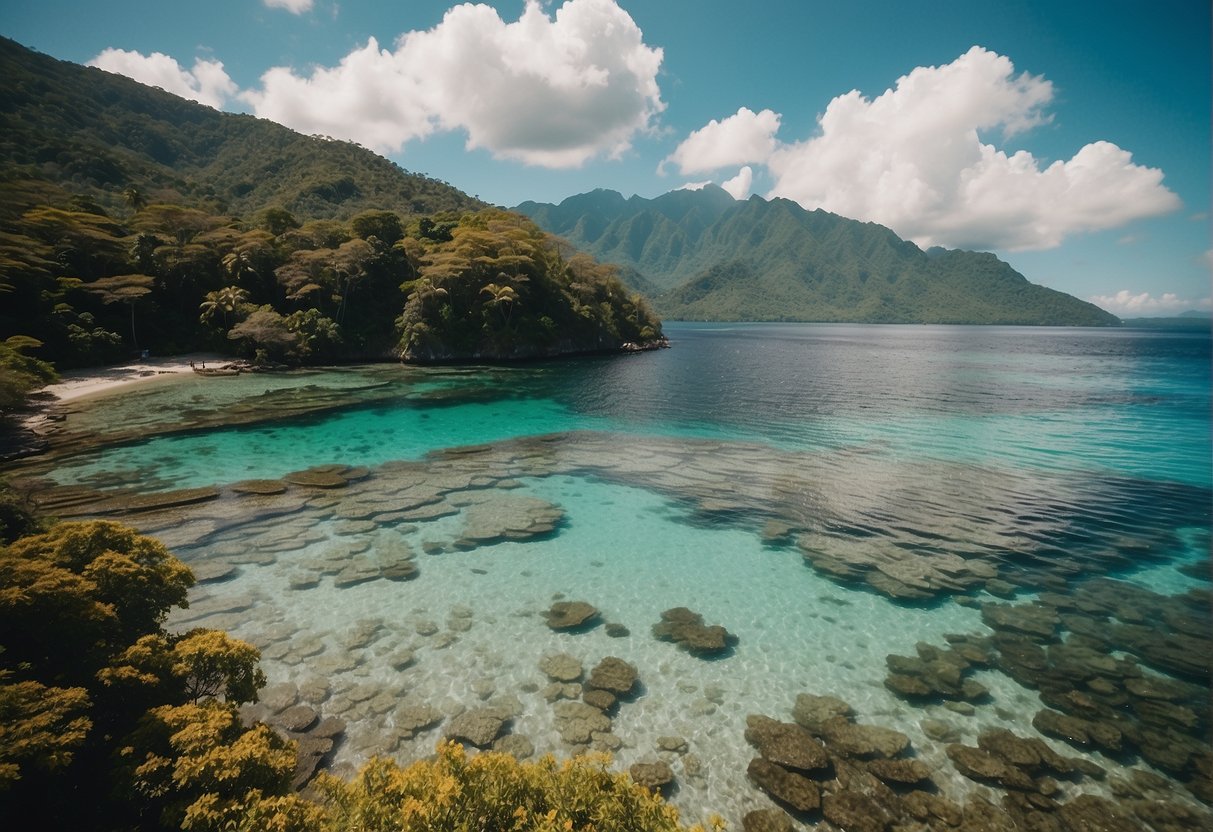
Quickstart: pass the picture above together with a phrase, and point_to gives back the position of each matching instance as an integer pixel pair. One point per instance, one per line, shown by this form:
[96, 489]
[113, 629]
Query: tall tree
[123, 288]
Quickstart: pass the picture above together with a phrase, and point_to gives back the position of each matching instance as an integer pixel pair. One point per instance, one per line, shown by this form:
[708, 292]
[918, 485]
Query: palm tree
[134, 197]
[503, 297]
[237, 264]
[226, 300]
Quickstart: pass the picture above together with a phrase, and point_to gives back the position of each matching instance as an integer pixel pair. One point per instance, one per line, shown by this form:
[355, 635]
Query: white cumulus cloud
[545, 90]
[366, 98]
[917, 158]
[743, 138]
[292, 6]
[207, 83]
[739, 185]
[1127, 304]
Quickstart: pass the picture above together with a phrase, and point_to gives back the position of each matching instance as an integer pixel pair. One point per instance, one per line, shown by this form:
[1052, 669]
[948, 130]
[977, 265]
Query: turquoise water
[1131, 403]
[1075, 453]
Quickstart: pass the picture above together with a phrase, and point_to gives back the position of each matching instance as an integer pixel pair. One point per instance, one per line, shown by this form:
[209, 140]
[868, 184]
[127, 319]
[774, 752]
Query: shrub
[493, 791]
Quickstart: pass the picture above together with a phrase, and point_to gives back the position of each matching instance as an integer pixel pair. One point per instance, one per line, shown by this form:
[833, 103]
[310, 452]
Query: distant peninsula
[133, 220]
[701, 255]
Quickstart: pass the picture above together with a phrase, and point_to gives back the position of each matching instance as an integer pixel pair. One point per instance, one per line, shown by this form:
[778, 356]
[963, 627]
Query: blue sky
[1071, 138]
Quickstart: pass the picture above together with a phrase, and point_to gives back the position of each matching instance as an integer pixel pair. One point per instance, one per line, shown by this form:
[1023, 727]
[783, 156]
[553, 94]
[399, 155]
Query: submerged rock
[571, 615]
[1062, 727]
[676, 745]
[324, 476]
[516, 745]
[855, 740]
[561, 667]
[980, 765]
[499, 517]
[615, 675]
[601, 699]
[411, 719]
[577, 722]
[297, 718]
[855, 812]
[785, 743]
[766, 820]
[478, 727]
[686, 629]
[260, 487]
[653, 776]
[900, 772]
[1033, 620]
[787, 787]
[813, 712]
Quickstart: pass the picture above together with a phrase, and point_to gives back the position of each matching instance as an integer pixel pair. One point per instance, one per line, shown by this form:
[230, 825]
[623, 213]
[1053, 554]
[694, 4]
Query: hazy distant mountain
[705, 256]
[1194, 320]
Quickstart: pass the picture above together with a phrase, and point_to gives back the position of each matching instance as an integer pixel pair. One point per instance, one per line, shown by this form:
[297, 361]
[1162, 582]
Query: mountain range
[702, 255]
[76, 133]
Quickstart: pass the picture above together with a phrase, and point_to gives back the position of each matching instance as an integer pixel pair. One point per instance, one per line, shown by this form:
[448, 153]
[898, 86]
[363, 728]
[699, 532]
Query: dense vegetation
[133, 220]
[98, 134]
[706, 256]
[495, 285]
[108, 721]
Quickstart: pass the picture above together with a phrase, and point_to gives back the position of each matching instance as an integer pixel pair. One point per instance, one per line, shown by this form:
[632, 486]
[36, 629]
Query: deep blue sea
[1078, 452]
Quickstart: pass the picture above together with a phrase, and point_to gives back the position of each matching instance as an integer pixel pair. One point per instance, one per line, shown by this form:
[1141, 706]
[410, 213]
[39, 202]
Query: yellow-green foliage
[98, 701]
[39, 726]
[141, 726]
[75, 596]
[206, 771]
[201, 664]
[493, 791]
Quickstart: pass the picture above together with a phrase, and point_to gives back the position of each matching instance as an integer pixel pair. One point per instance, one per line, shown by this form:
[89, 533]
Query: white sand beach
[76, 384]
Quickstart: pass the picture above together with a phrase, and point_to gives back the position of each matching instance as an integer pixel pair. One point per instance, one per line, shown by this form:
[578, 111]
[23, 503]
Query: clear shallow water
[1130, 402]
[1024, 445]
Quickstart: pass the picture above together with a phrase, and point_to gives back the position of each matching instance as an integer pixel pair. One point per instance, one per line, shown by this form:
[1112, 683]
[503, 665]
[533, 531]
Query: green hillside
[98, 134]
[131, 219]
[704, 256]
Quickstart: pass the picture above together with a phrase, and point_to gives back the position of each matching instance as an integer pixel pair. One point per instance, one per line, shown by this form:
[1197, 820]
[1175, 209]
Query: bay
[831, 494]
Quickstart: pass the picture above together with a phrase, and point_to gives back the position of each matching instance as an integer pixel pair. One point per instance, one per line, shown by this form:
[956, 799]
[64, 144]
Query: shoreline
[43, 415]
[77, 384]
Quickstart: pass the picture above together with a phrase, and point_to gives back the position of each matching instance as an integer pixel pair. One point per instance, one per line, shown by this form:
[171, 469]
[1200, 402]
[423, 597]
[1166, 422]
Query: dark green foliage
[495, 286]
[134, 220]
[120, 142]
[706, 256]
[20, 373]
[17, 517]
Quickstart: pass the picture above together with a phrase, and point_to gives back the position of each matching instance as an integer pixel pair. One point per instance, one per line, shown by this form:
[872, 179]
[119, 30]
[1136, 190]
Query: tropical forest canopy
[131, 219]
[701, 255]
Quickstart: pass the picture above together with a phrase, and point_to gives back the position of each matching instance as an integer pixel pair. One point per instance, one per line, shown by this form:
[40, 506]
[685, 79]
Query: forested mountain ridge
[131, 219]
[706, 256]
[97, 134]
